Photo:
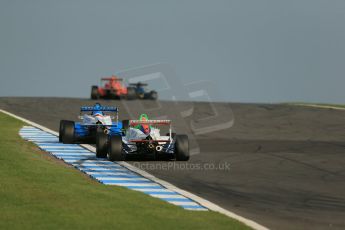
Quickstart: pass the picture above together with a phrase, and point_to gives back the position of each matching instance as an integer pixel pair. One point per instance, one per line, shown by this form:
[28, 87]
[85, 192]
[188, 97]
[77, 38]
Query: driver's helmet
[143, 127]
[140, 89]
[97, 110]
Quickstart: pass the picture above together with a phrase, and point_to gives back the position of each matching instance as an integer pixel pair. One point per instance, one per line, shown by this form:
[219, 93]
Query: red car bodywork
[113, 84]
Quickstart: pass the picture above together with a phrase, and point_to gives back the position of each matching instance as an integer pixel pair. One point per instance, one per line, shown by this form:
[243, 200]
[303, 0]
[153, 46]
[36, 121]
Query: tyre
[101, 144]
[182, 148]
[153, 95]
[67, 136]
[94, 93]
[115, 148]
[131, 93]
[125, 124]
[62, 123]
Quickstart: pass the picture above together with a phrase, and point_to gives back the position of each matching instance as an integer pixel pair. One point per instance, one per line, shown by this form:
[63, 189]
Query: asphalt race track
[287, 163]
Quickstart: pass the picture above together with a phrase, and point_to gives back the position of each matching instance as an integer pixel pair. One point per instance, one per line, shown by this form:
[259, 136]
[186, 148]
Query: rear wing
[149, 122]
[139, 83]
[101, 108]
[152, 122]
[111, 78]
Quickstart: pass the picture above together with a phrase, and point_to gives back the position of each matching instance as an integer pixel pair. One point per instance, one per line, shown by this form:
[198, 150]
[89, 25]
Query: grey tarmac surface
[287, 163]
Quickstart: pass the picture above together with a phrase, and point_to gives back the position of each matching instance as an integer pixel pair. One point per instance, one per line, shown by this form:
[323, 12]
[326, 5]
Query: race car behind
[86, 130]
[142, 92]
[112, 88]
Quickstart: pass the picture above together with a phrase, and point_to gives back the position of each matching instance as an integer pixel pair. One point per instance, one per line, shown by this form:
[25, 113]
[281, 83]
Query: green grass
[39, 192]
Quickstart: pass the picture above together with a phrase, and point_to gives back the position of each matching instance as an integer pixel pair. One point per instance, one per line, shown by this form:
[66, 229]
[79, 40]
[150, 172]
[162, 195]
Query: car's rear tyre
[115, 148]
[67, 136]
[94, 93]
[101, 144]
[62, 123]
[131, 93]
[153, 95]
[182, 148]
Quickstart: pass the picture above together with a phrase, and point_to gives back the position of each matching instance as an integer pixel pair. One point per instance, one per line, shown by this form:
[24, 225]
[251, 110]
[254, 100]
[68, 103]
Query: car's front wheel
[115, 148]
[153, 95]
[125, 125]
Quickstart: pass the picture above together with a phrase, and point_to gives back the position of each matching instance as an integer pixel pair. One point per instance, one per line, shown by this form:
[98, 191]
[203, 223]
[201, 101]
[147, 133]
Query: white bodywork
[93, 119]
[136, 134]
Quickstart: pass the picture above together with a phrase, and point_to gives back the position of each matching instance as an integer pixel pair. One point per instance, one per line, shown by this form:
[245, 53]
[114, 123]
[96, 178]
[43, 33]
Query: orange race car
[113, 89]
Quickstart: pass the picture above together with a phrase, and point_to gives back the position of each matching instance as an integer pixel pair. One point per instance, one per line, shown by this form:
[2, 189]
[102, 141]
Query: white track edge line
[167, 185]
[319, 106]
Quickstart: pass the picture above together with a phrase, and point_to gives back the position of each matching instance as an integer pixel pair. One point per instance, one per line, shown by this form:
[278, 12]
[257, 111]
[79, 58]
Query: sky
[249, 50]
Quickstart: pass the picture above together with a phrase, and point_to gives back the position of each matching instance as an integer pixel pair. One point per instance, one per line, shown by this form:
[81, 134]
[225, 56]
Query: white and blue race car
[97, 121]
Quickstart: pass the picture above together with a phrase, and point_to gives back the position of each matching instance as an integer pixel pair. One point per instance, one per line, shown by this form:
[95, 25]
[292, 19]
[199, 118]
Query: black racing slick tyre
[67, 136]
[125, 124]
[101, 144]
[62, 123]
[131, 93]
[153, 95]
[182, 148]
[115, 148]
[94, 92]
